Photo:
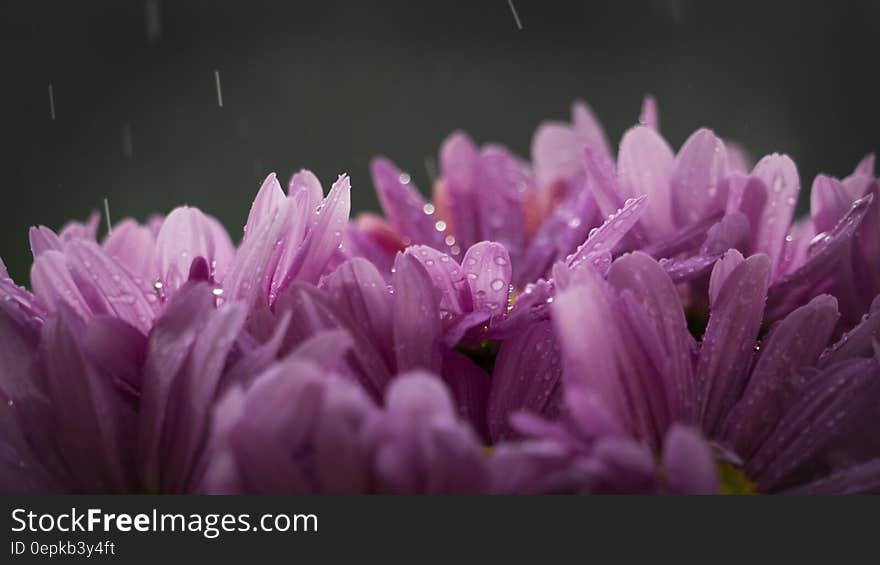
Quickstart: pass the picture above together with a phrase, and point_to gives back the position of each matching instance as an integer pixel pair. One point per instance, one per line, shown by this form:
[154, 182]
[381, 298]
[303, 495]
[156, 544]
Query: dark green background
[327, 85]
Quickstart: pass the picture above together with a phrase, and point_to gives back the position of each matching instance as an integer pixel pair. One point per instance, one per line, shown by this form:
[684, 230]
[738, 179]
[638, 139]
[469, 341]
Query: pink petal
[644, 167]
[696, 182]
[779, 174]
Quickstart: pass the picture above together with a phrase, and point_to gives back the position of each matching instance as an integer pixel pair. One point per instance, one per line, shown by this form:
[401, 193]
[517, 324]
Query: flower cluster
[654, 322]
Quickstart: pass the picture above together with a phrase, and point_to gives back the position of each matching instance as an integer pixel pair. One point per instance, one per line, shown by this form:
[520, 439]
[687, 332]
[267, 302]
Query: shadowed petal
[567, 226]
[825, 404]
[423, 448]
[415, 317]
[858, 479]
[469, 386]
[194, 394]
[689, 268]
[824, 255]
[311, 310]
[85, 407]
[655, 292]
[527, 370]
[727, 347]
[792, 343]
[858, 342]
[503, 181]
[747, 195]
[359, 291]
[688, 462]
[721, 271]
[185, 317]
[829, 202]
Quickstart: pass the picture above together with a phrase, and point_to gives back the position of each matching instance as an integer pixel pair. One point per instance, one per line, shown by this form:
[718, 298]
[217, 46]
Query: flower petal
[792, 344]
[829, 202]
[779, 174]
[650, 116]
[688, 462]
[404, 206]
[858, 342]
[250, 275]
[611, 232]
[527, 370]
[325, 236]
[459, 168]
[588, 129]
[469, 386]
[43, 239]
[359, 291]
[503, 181]
[721, 271]
[644, 167]
[424, 448]
[311, 310]
[487, 270]
[556, 154]
[185, 235]
[825, 255]
[696, 181]
[559, 235]
[448, 278]
[826, 403]
[728, 344]
[858, 479]
[307, 186]
[653, 289]
[134, 247]
[86, 408]
[265, 205]
[415, 317]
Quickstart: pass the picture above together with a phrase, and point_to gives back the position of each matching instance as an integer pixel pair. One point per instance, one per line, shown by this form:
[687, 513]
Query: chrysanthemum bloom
[110, 369]
[789, 413]
[386, 356]
[702, 201]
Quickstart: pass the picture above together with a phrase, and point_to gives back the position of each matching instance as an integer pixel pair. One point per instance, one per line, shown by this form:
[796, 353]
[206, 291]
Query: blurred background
[119, 98]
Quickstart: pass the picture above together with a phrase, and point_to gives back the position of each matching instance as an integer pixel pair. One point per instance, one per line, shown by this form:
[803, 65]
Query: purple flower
[298, 430]
[782, 414]
[701, 202]
[534, 329]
